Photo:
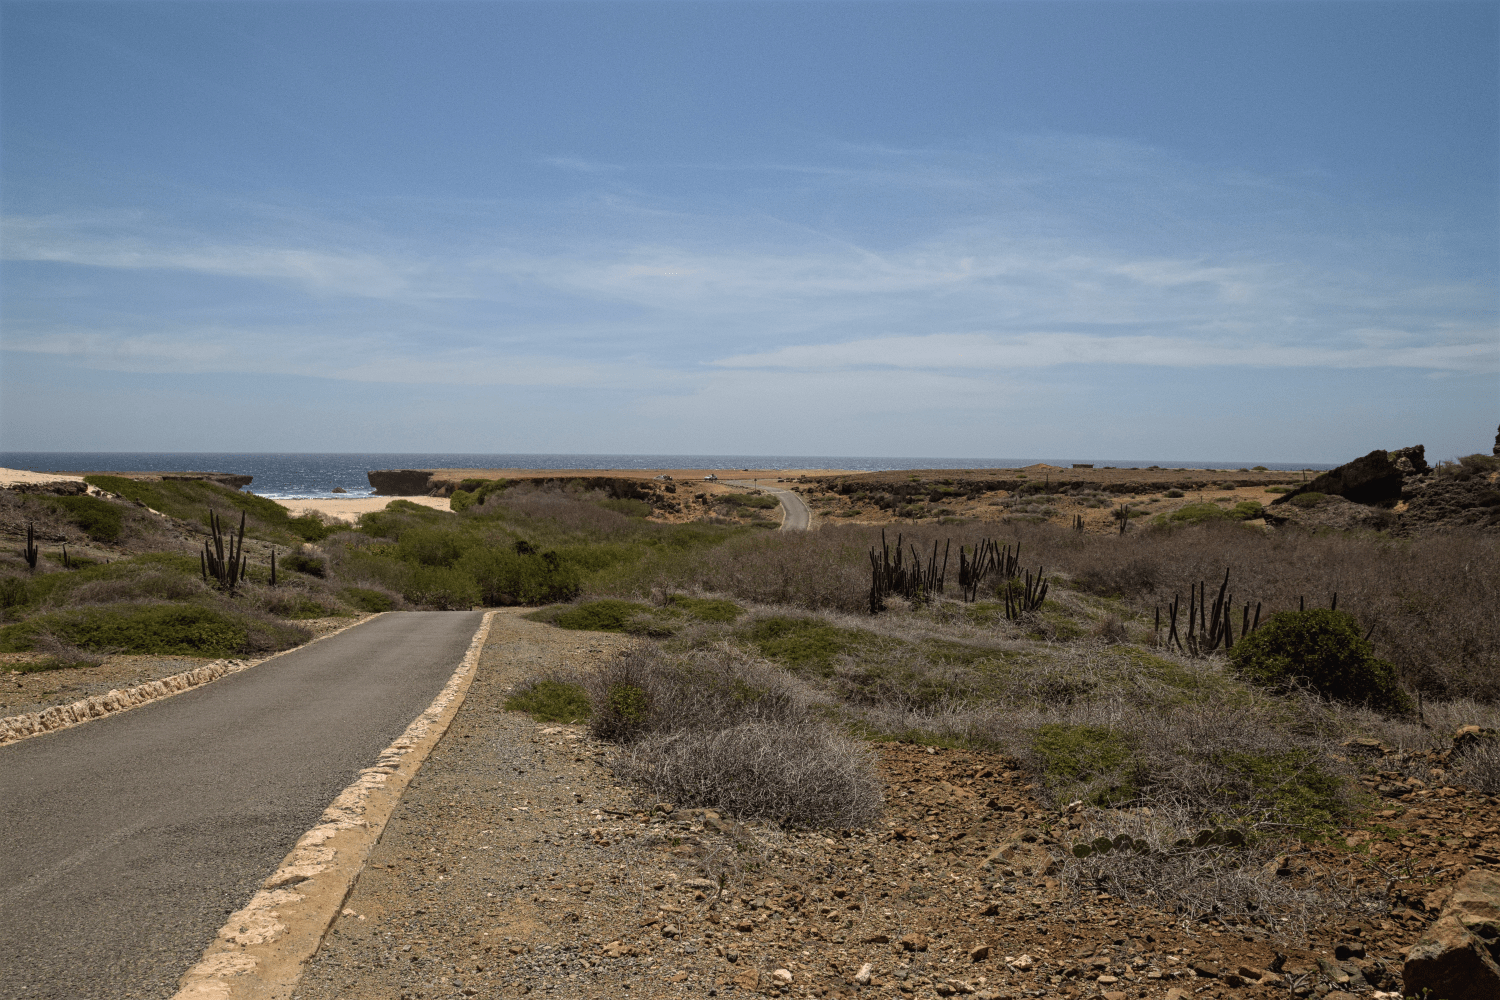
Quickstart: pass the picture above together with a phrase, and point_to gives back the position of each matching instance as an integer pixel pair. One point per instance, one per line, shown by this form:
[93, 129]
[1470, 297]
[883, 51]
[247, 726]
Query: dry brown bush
[645, 690]
[1238, 885]
[804, 774]
[1479, 767]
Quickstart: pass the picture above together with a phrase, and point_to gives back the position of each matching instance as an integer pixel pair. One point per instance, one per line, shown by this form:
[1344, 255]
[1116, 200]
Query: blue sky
[1224, 231]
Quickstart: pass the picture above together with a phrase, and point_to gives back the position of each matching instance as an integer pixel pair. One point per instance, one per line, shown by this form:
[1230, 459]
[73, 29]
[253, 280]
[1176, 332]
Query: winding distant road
[797, 517]
[129, 839]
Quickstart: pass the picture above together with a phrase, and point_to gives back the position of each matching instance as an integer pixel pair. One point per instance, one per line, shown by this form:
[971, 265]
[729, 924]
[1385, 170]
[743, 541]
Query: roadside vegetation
[1240, 753]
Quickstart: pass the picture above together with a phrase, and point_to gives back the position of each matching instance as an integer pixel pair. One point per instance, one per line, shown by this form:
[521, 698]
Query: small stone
[680, 977]
[731, 956]
[862, 977]
[749, 979]
[1176, 993]
[670, 931]
[1113, 995]
[878, 939]
[1107, 980]
[1023, 962]
[915, 941]
[979, 953]
[782, 976]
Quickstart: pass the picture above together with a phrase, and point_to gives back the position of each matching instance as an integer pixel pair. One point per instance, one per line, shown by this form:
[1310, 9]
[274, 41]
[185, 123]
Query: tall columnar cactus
[31, 552]
[224, 563]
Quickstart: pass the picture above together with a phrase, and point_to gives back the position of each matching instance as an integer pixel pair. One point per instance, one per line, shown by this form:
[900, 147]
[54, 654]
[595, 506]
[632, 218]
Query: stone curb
[260, 952]
[21, 727]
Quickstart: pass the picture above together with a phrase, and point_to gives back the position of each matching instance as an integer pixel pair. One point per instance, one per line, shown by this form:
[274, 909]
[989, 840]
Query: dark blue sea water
[315, 475]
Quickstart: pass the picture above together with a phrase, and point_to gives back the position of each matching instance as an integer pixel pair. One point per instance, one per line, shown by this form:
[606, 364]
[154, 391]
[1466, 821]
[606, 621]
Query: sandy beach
[349, 509]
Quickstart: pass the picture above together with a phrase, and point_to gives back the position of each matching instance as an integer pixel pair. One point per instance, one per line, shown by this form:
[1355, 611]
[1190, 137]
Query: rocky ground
[516, 864]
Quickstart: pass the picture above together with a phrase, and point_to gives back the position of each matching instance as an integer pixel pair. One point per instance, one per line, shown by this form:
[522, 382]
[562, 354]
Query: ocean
[310, 475]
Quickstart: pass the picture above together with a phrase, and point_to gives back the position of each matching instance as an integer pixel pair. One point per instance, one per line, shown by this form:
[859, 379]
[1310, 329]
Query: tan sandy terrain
[16, 477]
[342, 509]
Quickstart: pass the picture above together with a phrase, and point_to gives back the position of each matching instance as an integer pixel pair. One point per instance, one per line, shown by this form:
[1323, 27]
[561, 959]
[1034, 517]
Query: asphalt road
[125, 842]
[797, 517]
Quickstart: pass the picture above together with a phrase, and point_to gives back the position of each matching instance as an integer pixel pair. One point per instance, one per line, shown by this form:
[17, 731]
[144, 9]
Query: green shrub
[14, 593]
[441, 587]
[1309, 499]
[608, 615]
[803, 643]
[625, 711]
[299, 562]
[550, 700]
[461, 500]
[191, 499]
[1278, 489]
[1194, 513]
[1260, 468]
[1078, 755]
[100, 519]
[630, 508]
[1288, 784]
[1324, 650]
[365, 599]
[1174, 494]
[431, 546]
[758, 501]
[506, 577]
[163, 629]
[1248, 510]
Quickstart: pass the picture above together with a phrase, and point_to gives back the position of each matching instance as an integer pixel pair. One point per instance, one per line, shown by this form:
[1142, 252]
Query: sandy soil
[516, 864]
[12, 477]
[349, 509]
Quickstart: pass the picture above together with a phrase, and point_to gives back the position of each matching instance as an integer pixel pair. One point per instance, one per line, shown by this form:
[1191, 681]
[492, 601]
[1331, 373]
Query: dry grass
[1429, 600]
[803, 774]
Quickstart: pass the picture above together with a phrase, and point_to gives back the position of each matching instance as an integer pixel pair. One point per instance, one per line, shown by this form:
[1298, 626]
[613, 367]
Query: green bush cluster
[1080, 755]
[162, 629]
[366, 599]
[474, 492]
[1309, 499]
[1324, 650]
[551, 700]
[100, 520]
[809, 644]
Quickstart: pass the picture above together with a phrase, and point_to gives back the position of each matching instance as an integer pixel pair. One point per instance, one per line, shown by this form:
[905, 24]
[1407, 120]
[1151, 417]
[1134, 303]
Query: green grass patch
[809, 644]
[1071, 756]
[611, 615]
[100, 519]
[630, 508]
[365, 599]
[1278, 489]
[164, 629]
[550, 700]
[1309, 499]
[191, 499]
[757, 501]
[1289, 784]
[1194, 513]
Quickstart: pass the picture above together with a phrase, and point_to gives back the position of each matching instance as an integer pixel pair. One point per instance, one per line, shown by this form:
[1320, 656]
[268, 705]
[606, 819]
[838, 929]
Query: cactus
[227, 569]
[31, 552]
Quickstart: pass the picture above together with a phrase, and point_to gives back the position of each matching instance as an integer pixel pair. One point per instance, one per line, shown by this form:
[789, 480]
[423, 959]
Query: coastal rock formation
[1453, 503]
[1457, 956]
[400, 482]
[1411, 461]
[1371, 479]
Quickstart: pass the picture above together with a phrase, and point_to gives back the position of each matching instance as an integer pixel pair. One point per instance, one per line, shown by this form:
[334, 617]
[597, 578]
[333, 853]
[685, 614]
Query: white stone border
[261, 950]
[49, 720]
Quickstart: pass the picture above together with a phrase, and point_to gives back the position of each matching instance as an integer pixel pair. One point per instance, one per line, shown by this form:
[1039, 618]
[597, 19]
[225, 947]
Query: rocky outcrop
[59, 487]
[1411, 461]
[401, 482]
[1453, 503]
[1369, 480]
[1458, 957]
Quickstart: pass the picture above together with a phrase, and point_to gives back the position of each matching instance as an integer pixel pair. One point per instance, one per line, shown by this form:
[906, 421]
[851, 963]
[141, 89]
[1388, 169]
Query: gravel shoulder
[516, 864]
